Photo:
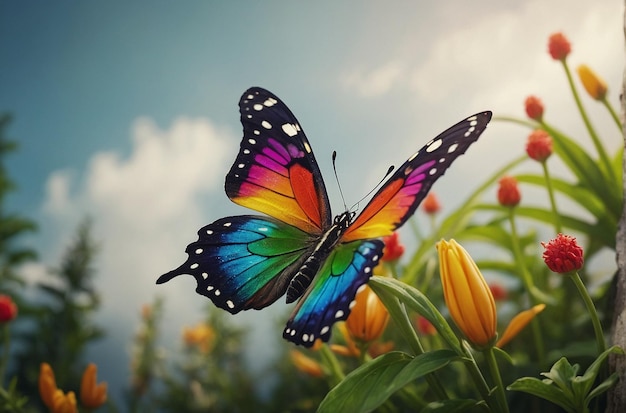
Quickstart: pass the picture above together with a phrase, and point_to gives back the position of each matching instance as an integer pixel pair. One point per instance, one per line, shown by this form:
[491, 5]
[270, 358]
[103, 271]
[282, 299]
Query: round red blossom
[563, 254]
[498, 291]
[558, 46]
[431, 204]
[393, 248]
[508, 191]
[539, 145]
[534, 107]
[8, 309]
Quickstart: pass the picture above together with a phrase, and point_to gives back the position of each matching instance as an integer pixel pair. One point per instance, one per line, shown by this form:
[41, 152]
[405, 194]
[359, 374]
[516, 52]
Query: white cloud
[377, 81]
[146, 207]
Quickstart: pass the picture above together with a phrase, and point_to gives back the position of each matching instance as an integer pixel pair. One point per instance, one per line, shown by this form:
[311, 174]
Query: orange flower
[508, 192]
[595, 86]
[425, 327]
[558, 46]
[430, 204]
[54, 399]
[539, 145]
[563, 255]
[518, 323]
[92, 395]
[377, 348]
[368, 317]
[202, 336]
[393, 248]
[306, 364]
[467, 294]
[8, 309]
[534, 108]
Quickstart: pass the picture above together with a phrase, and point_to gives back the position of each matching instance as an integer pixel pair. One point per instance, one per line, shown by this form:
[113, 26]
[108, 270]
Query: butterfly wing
[275, 171]
[244, 262]
[329, 297]
[401, 194]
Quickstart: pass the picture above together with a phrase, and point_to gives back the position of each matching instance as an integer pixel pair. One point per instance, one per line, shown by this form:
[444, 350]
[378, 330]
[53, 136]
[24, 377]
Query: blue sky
[127, 112]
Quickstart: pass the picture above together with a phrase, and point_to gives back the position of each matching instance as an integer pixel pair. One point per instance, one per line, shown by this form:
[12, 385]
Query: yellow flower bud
[595, 86]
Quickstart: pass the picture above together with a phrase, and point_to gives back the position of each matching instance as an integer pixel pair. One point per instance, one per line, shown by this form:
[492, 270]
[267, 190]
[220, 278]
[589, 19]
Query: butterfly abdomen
[329, 239]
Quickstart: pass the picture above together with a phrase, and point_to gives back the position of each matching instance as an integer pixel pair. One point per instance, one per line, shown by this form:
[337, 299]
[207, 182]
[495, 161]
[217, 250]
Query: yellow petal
[594, 85]
[518, 323]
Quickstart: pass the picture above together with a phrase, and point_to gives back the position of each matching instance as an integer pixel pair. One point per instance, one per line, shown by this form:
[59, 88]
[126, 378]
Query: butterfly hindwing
[244, 262]
[275, 171]
[330, 296]
[402, 193]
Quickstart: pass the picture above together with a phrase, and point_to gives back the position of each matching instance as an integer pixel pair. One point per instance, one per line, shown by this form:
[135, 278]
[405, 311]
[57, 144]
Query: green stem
[529, 285]
[557, 218]
[495, 375]
[595, 320]
[477, 376]
[614, 115]
[331, 361]
[594, 136]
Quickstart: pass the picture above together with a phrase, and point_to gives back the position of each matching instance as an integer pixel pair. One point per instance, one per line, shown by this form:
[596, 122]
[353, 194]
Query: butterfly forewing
[275, 171]
[402, 193]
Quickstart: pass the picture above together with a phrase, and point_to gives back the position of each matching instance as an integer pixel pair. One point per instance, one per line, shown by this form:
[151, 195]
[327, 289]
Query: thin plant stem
[557, 218]
[606, 163]
[614, 114]
[333, 364]
[497, 378]
[6, 345]
[529, 285]
[477, 376]
[595, 320]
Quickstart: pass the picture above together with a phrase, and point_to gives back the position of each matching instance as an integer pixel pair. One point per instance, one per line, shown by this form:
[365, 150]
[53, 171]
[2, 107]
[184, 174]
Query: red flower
[563, 254]
[425, 327]
[534, 108]
[508, 191]
[431, 204]
[8, 309]
[558, 46]
[393, 248]
[539, 145]
[498, 291]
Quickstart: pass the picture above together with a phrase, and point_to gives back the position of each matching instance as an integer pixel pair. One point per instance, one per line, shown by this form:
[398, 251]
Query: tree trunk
[617, 363]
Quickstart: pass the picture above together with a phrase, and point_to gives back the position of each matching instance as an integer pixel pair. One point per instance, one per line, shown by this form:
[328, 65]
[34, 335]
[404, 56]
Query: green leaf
[594, 369]
[602, 388]
[562, 373]
[418, 302]
[543, 389]
[367, 387]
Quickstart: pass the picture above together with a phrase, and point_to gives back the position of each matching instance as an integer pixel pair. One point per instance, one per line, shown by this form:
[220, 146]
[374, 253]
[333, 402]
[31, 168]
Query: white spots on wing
[292, 333]
[361, 288]
[266, 124]
[290, 129]
[217, 293]
[209, 288]
[246, 151]
[305, 337]
[230, 304]
[472, 120]
[432, 171]
[453, 147]
[205, 276]
[249, 116]
[199, 251]
[252, 141]
[194, 265]
[250, 97]
[256, 132]
[307, 147]
[324, 330]
[434, 145]
[339, 314]
[227, 224]
[375, 258]
[257, 107]
[413, 156]
[241, 165]
[263, 229]
[367, 270]
[209, 232]
[352, 304]
[269, 102]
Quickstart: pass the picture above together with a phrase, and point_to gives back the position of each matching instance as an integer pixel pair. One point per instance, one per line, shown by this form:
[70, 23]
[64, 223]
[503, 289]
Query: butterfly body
[297, 248]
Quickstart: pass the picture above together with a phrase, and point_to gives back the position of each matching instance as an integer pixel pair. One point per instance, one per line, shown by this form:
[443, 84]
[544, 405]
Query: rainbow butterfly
[299, 249]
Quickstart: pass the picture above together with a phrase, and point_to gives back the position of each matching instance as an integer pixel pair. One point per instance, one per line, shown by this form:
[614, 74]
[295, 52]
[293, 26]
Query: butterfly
[298, 248]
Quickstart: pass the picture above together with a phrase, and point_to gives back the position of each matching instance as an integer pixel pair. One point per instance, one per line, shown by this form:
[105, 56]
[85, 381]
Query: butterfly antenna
[337, 180]
[389, 171]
